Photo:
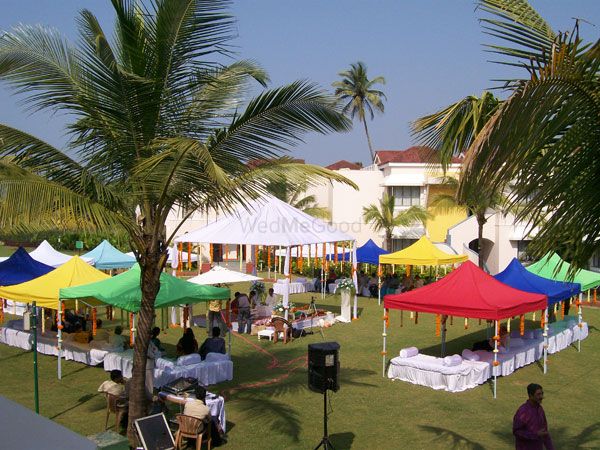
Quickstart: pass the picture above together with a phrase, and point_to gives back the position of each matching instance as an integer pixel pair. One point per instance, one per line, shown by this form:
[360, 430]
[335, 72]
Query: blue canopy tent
[106, 257]
[518, 277]
[21, 267]
[366, 254]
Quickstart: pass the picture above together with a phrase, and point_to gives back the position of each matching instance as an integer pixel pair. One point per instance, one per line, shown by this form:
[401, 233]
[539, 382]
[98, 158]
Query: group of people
[188, 344]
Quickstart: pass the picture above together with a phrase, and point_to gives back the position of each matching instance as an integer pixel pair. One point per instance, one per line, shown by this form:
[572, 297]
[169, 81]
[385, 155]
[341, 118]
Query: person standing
[213, 314]
[530, 426]
[244, 321]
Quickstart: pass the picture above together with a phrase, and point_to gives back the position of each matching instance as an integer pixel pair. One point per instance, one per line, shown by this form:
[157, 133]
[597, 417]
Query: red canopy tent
[467, 292]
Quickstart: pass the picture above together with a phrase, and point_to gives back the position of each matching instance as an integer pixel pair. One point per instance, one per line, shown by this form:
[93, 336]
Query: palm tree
[476, 201]
[156, 123]
[384, 217]
[545, 137]
[356, 89]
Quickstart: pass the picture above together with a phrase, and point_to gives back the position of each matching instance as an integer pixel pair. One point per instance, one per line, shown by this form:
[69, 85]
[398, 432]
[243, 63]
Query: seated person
[154, 338]
[330, 279]
[81, 336]
[101, 333]
[373, 284]
[49, 324]
[117, 340]
[253, 299]
[214, 344]
[270, 300]
[119, 387]
[195, 407]
[187, 344]
[489, 344]
[419, 282]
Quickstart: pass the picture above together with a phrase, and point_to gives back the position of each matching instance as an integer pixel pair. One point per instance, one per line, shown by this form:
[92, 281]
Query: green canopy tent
[124, 291]
[554, 267]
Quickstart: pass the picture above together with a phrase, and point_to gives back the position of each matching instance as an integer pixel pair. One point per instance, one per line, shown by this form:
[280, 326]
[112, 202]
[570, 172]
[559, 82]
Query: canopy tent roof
[218, 275]
[45, 289]
[266, 221]
[515, 275]
[553, 267]
[20, 267]
[369, 253]
[46, 254]
[314, 250]
[124, 291]
[468, 292]
[422, 252]
[105, 256]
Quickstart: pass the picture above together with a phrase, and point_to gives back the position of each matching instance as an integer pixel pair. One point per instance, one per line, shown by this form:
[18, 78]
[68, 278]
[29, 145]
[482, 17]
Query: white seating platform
[430, 371]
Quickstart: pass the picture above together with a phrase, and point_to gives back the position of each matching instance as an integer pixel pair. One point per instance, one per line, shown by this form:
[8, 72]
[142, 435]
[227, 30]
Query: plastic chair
[116, 405]
[282, 326]
[193, 428]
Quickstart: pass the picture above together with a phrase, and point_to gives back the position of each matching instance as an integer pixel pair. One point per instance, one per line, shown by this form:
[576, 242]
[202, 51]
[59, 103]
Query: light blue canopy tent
[108, 257]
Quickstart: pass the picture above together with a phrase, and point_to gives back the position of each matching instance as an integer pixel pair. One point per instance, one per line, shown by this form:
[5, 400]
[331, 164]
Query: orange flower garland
[189, 261]
[522, 325]
[211, 252]
[595, 296]
[180, 262]
[438, 324]
[543, 320]
[562, 310]
[335, 252]
[94, 326]
[300, 259]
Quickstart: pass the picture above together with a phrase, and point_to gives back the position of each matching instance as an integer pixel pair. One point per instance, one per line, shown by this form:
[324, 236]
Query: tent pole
[36, 398]
[444, 318]
[545, 334]
[495, 357]
[384, 335]
[355, 280]
[286, 292]
[323, 272]
[580, 321]
[59, 335]
[379, 284]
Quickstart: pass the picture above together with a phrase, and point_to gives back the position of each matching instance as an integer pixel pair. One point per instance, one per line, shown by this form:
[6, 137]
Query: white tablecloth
[165, 371]
[295, 288]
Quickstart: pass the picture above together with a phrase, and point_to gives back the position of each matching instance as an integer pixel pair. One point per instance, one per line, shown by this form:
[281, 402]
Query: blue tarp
[21, 267]
[106, 256]
[368, 253]
[516, 276]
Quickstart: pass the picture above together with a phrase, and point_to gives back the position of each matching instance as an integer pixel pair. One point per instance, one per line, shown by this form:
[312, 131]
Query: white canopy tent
[222, 275]
[46, 254]
[315, 249]
[270, 221]
[172, 258]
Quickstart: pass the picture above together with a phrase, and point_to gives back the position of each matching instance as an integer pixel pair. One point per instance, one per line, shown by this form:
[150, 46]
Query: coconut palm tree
[356, 90]
[155, 123]
[543, 138]
[385, 217]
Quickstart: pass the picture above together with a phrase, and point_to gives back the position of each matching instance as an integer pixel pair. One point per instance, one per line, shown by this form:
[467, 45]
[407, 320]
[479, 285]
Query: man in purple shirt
[529, 424]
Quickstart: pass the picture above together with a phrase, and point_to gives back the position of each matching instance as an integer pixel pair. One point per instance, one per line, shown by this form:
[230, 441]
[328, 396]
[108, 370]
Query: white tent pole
[379, 284]
[59, 335]
[579, 321]
[384, 335]
[495, 368]
[241, 253]
[355, 280]
[280, 264]
[323, 275]
[43, 320]
[268, 260]
[545, 334]
[286, 291]
[444, 318]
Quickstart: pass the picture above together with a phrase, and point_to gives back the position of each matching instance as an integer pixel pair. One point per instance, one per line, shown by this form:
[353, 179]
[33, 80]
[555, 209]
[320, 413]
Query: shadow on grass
[450, 439]
[80, 369]
[342, 441]
[81, 400]
[16, 355]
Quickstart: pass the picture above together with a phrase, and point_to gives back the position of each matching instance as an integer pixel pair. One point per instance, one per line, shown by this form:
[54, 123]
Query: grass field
[369, 411]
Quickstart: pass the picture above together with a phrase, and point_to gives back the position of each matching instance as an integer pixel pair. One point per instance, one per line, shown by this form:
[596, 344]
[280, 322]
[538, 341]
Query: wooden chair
[194, 428]
[116, 405]
[282, 326]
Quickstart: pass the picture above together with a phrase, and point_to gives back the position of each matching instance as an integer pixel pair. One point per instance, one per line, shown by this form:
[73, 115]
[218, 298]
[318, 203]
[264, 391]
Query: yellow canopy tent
[45, 290]
[421, 253]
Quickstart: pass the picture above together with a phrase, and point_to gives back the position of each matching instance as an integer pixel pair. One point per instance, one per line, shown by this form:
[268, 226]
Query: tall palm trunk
[481, 220]
[151, 267]
[388, 240]
[369, 139]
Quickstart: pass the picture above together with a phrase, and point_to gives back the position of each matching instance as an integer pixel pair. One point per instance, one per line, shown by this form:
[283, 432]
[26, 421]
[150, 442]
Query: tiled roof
[416, 154]
[343, 164]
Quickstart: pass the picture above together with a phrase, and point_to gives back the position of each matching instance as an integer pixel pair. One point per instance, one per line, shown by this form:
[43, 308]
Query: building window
[401, 244]
[522, 254]
[406, 195]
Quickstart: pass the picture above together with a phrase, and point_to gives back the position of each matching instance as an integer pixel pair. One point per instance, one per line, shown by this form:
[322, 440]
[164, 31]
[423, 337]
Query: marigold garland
[94, 326]
[542, 320]
[335, 252]
[562, 310]
[595, 296]
[522, 325]
[189, 261]
[508, 325]
[438, 324]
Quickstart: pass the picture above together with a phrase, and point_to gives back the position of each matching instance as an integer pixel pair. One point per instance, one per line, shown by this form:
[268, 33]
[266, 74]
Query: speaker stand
[325, 443]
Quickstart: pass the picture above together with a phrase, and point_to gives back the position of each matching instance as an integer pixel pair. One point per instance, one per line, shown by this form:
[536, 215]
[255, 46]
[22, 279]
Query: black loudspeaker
[323, 366]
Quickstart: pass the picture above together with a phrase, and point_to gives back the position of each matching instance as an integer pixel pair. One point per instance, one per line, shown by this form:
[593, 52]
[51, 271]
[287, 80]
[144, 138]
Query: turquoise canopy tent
[107, 257]
[124, 291]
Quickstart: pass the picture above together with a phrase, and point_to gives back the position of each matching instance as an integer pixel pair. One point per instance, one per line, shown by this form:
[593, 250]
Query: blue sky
[429, 51]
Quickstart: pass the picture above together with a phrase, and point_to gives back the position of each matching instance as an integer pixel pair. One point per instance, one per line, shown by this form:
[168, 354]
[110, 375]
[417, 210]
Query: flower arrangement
[346, 284]
[280, 309]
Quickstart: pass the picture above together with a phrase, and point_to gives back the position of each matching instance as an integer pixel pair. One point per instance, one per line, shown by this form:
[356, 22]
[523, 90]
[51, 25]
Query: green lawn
[369, 411]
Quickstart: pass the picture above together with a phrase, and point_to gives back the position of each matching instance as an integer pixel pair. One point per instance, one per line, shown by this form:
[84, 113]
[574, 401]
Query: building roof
[343, 164]
[416, 154]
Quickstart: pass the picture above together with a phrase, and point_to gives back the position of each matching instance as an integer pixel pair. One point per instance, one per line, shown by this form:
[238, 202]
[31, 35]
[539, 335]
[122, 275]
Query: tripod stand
[325, 442]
